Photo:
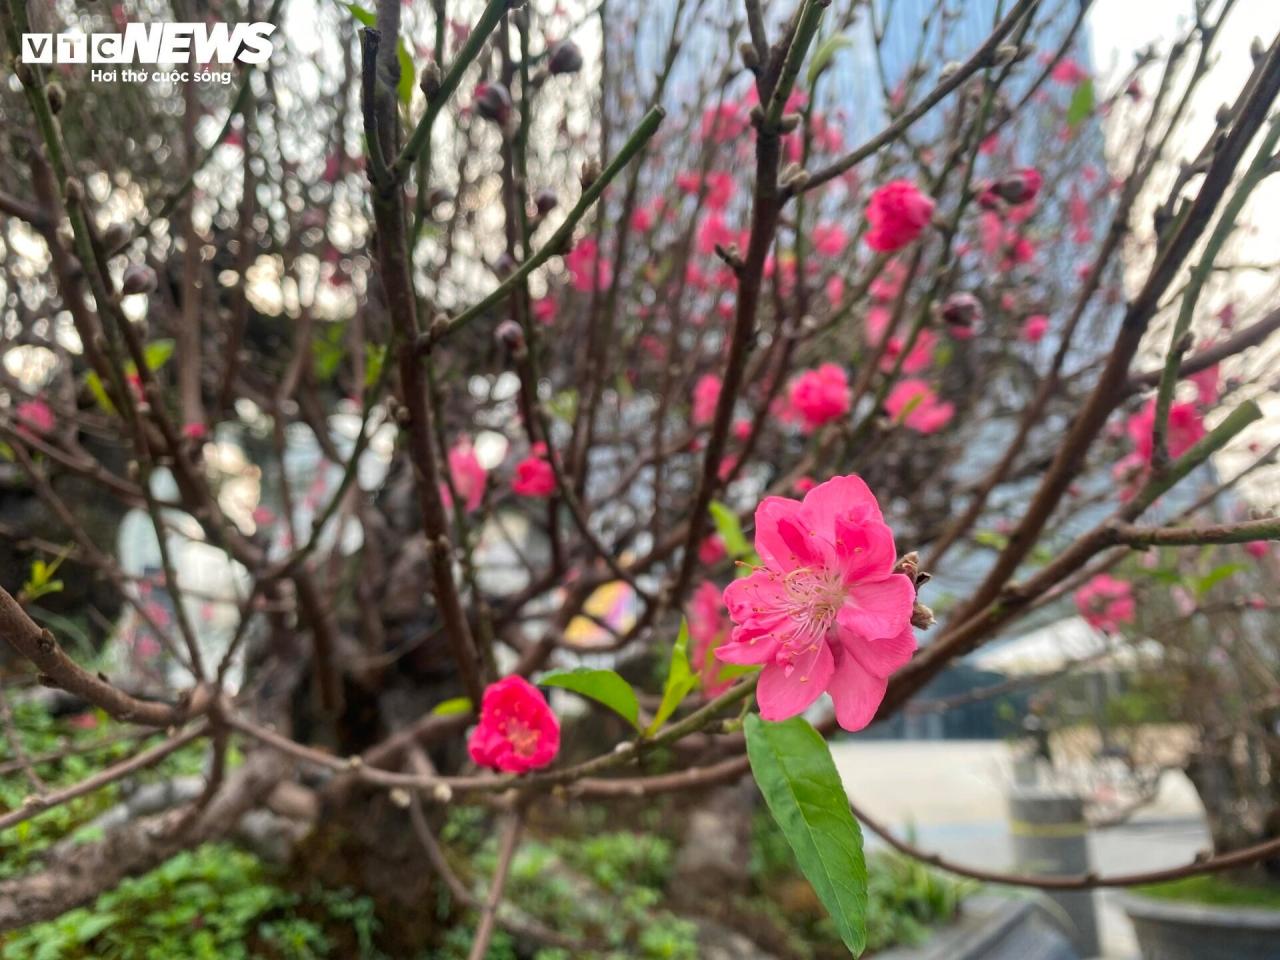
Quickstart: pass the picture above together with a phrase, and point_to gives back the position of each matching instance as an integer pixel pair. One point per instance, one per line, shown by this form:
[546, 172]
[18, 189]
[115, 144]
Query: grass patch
[1214, 891]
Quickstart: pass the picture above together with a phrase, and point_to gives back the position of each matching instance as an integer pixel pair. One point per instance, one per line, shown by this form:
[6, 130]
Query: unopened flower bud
[73, 190]
[794, 177]
[545, 201]
[565, 57]
[908, 565]
[510, 336]
[429, 79]
[115, 236]
[948, 71]
[961, 310]
[1005, 54]
[57, 96]
[137, 279]
[921, 616]
[493, 102]
[590, 173]
[790, 121]
[750, 58]
[1018, 187]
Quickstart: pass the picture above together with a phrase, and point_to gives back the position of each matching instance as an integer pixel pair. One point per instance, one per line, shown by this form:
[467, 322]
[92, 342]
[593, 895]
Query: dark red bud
[546, 201]
[138, 279]
[493, 102]
[1020, 186]
[510, 336]
[565, 57]
[962, 310]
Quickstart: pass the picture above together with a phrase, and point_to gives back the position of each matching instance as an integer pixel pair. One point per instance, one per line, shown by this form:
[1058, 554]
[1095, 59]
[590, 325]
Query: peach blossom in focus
[517, 731]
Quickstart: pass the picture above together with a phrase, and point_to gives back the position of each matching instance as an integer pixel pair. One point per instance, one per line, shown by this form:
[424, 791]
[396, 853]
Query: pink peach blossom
[1106, 602]
[1186, 427]
[820, 395]
[829, 239]
[706, 392]
[914, 403]
[1208, 384]
[897, 212]
[468, 476]
[544, 311]
[582, 263]
[517, 731]
[34, 417]
[708, 629]
[535, 476]
[712, 550]
[1068, 73]
[1035, 327]
[825, 611]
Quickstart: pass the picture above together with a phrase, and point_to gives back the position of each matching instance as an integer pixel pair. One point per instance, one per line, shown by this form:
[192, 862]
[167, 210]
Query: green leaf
[726, 521]
[404, 89]
[564, 405]
[603, 686]
[157, 353]
[822, 56]
[680, 680]
[1081, 105]
[367, 17]
[793, 767]
[452, 707]
[1217, 575]
[94, 383]
[374, 358]
[990, 538]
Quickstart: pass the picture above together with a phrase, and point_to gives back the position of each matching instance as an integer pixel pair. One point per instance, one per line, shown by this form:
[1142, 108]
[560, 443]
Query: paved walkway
[952, 795]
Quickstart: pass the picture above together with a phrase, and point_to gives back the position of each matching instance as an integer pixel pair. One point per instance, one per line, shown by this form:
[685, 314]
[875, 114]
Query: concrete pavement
[951, 794]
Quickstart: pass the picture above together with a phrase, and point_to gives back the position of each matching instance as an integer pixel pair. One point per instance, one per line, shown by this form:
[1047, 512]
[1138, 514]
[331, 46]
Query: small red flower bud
[138, 279]
[1019, 187]
[546, 201]
[565, 57]
[510, 336]
[493, 102]
[962, 310]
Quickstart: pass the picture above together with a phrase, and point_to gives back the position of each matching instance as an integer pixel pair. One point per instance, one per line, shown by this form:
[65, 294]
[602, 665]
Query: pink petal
[748, 597]
[786, 691]
[857, 694]
[882, 657]
[865, 551]
[775, 549]
[837, 497]
[878, 608]
[757, 649]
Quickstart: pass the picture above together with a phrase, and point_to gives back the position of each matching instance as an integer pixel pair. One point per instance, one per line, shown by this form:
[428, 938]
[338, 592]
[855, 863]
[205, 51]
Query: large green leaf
[1081, 103]
[680, 680]
[795, 772]
[603, 686]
